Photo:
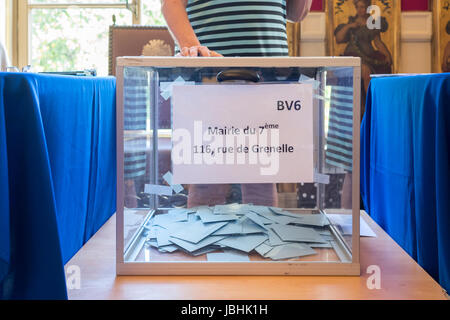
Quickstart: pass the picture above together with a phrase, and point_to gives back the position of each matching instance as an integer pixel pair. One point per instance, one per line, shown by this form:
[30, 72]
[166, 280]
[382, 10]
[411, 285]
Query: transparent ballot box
[238, 165]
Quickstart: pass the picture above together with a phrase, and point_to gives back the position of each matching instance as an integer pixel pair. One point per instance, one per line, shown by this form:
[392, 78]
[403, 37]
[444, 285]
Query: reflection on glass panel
[72, 39]
[151, 13]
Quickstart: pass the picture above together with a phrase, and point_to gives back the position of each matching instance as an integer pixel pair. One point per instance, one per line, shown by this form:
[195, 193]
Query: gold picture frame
[341, 12]
[138, 41]
[293, 35]
[441, 35]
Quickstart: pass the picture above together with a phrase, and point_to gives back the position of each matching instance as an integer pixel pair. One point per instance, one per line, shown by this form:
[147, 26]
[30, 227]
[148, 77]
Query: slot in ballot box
[238, 165]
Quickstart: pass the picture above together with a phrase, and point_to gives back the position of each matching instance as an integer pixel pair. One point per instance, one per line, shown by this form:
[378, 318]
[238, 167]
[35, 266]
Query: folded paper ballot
[177, 188]
[297, 234]
[320, 245]
[234, 208]
[238, 229]
[244, 243]
[189, 246]
[285, 217]
[206, 215]
[205, 250]
[291, 250]
[263, 249]
[162, 237]
[169, 248]
[256, 219]
[274, 239]
[196, 231]
[241, 226]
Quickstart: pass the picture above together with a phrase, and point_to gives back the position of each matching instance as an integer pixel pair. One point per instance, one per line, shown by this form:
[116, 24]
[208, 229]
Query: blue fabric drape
[57, 144]
[405, 166]
[4, 198]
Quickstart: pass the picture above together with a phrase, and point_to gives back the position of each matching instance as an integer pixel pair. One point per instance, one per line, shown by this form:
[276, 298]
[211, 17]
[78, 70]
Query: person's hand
[196, 51]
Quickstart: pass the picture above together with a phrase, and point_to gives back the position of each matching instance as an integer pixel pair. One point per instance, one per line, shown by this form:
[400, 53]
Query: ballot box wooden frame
[285, 267]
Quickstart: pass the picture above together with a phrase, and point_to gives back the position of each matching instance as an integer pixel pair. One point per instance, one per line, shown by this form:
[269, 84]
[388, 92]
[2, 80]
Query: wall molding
[416, 27]
[313, 27]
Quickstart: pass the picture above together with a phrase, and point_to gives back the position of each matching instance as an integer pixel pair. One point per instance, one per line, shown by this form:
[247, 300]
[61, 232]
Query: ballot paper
[256, 219]
[263, 249]
[193, 217]
[292, 250]
[233, 208]
[168, 248]
[281, 219]
[238, 230]
[207, 216]
[158, 189]
[166, 219]
[196, 231]
[205, 250]
[152, 231]
[152, 243]
[189, 246]
[181, 212]
[262, 218]
[262, 210]
[162, 237]
[274, 239]
[242, 226]
[297, 234]
[175, 187]
[286, 217]
[320, 245]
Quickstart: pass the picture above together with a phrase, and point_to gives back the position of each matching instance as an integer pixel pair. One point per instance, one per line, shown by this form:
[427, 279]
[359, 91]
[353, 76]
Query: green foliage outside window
[77, 38]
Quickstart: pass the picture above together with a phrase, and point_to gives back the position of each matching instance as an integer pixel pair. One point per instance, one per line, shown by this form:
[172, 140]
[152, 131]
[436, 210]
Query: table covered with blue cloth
[405, 166]
[57, 176]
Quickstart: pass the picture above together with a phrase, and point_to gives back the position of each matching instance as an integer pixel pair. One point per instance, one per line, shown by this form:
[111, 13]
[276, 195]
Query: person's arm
[341, 32]
[296, 10]
[382, 48]
[174, 12]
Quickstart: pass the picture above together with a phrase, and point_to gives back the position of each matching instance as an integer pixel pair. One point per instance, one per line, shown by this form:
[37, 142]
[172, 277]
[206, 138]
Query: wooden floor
[401, 277]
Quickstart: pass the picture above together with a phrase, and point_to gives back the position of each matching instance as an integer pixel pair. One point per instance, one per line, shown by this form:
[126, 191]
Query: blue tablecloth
[405, 166]
[57, 176]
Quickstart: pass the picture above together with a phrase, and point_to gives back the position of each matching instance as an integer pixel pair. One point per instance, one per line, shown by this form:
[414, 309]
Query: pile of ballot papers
[269, 231]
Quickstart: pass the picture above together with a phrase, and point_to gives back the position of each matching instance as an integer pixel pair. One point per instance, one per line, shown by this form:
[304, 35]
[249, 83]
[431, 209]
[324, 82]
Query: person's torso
[240, 27]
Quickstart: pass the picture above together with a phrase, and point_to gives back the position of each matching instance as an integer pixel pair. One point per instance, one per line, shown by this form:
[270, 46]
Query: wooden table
[401, 277]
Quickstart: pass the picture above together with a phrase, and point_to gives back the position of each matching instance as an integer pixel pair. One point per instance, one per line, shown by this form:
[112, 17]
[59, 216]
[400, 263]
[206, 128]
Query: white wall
[415, 46]
[313, 35]
[3, 21]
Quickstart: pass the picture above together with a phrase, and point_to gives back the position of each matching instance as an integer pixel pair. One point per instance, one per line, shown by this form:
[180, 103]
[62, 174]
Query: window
[3, 22]
[151, 13]
[66, 35]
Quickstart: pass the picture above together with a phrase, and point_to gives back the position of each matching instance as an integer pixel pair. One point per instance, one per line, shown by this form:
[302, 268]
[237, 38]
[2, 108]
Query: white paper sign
[255, 133]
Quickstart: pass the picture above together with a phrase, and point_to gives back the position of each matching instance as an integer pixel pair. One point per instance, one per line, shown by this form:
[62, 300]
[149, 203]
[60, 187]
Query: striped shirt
[240, 27]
